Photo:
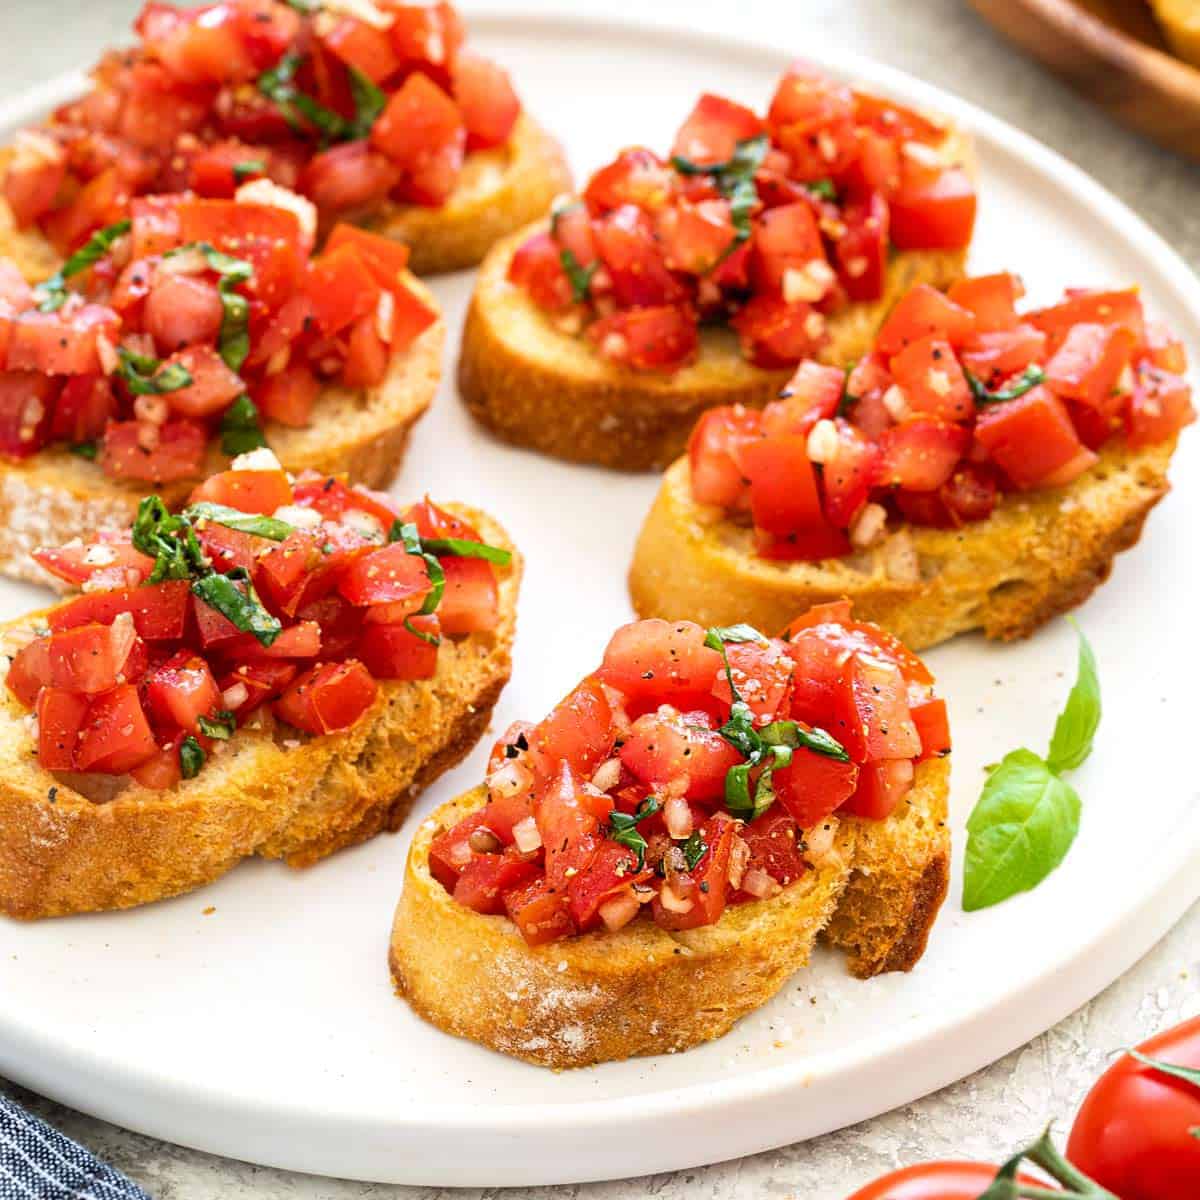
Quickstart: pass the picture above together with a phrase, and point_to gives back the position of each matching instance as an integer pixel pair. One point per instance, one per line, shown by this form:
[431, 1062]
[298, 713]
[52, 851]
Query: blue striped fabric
[39, 1163]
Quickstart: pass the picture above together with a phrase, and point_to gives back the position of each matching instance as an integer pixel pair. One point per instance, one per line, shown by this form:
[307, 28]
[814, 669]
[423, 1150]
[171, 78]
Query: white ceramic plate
[267, 1029]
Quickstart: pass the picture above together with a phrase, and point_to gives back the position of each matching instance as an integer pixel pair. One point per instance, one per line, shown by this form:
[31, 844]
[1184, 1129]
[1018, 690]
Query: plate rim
[1155, 911]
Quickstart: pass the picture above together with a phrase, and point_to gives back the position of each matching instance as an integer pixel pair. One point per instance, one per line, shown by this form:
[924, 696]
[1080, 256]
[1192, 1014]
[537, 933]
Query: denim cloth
[39, 1163]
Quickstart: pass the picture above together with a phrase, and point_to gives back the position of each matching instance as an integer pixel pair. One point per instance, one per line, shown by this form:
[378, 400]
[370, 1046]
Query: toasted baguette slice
[71, 844]
[1039, 554]
[534, 385]
[606, 996]
[499, 190]
[55, 495]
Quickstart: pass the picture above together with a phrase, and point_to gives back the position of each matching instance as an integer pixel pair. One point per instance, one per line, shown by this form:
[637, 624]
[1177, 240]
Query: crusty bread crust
[55, 495]
[1039, 554]
[269, 791]
[606, 996]
[499, 190]
[534, 385]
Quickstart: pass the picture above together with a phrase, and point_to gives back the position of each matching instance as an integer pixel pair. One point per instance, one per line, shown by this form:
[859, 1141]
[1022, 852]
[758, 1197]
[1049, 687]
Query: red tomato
[774, 333]
[937, 1181]
[861, 251]
[1134, 1132]
[254, 491]
[695, 236]
[392, 652]
[786, 239]
[1097, 307]
[115, 736]
[713, 452]
[937, 214]
[389, 575]
[485, 98]
[929, 374]
[710, 876]
[776, 847]
[993, 356]
[881, 786]
[992, 298]
[813, 785]
[328, 698]
[177, 453]
[384, 257]
[26, 402]
[848, 474]
[570, 832]
[182, 691]
[429, 34]
[1088, 363]
[486, 877]
[659, 751]
[159, 611]
[213, 384]
[881, 699]
[640, 278]
[340, 288]
[578, 731]
[636, 176]
[537, 267]
[539, 911]
[661, 337]
[31, 187]
[422, 130]
[612, 870]
[470, 603]
[61, 713]
[61, 343]
[762, 674]
[107, 556]
[180, 311]
[713, 129]
[289, 395]
[348, 178]
[812, 119]
[363, 47]
[155, 221]
[933, 726]
[1033, 440]
[1161, 406]
[920, 455]
[923, 312]
[783, 486]
[367, 355]
[663, 660]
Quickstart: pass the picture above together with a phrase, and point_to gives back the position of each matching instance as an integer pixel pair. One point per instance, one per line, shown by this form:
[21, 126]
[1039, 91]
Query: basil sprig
[170, 539]
[233, 343]
[735, 181]
[279, 86]
[220, 726]
[765, 750]
[465, 548]
[1025, 382]
[240, 429]
[144, 375]
[1027, 815]
[247, 167]
[694, 849]
[369, 102]
[233, 518]
[623, 828]
[410, 537]
[579, 275]
[53, 291]
[191, 757]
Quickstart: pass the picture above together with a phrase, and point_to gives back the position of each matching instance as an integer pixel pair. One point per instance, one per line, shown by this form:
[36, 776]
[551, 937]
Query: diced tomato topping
[658, 338]
[881, 786]
[328, 698]
[250, 491]
[1032, 440]
[485, 98]
[175, 452]
[115, 736]
[713, 129]
[421, 130]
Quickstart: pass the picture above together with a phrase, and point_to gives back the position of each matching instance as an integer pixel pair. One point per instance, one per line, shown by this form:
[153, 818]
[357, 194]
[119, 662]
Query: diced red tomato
[486, 877]
[213, 385]
[389, 575]
[384, 257]
[61, 713]
[422, 131]
[76, 563]
[363, 47]
[249, 491]
[786, 239]
[658, 338]
[176, 453]
[1161, 406]
[1032, 438]
[393, 652]
[1089, 362]
[861, 252]
[937, 214]
[695, 236]
[428, 34]
[920, 313]
[1095, 307]
[932, 380]
[657, 658]
[485, 98]
[992, 298]
[659, 751]
[32, 186]
[367, 355]
[711, 878]
[640, 277]
[784, 499]
[612, 870]
[289, 395]
[848, 474]
[920, 455]
[340, 288]
[578, 731]
[881, 786]
[774, 333]
[714, 450]
[348, 178]
[116, 735]
[713, 129]
[813, 785]
[933, 726]
[812, 119]
[180, 311]
[762, 674]
[59, 343]
[159, 611]
[537, 267]
[993, 356]
[539, 911]
[182, 691]
[26, 402]
[329, 698]
[637, 176]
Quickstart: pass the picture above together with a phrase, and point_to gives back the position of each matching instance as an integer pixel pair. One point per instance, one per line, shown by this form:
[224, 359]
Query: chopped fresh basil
[410, 536]
[242, 607]
[278, 85]
[579, 275]
[795, 737]
[53, 291]
[824, 188]
[234, 341]
[232, 518]
[88, 450]
[464, 548]
[220, 726]
[623, 828]
[191, 757]
[369, 102]
[718, 637]
[735, 180]
[1027, 816]
[146, 376]
[694, 849]
[247, 168]
[1025, 382]
[240, 430]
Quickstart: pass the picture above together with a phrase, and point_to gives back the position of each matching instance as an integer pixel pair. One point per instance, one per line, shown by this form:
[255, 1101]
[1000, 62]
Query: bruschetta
[673, 285]
[375, 110]
[979, 469]
[193, 330]
[277, 670]
[654, 859]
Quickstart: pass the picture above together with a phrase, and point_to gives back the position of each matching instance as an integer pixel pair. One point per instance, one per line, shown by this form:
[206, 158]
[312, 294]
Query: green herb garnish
[233, 518]
[766, 749]
[464, 548]
[234, 342]
[278, 85]
[410, 536]
[144, 375]
[694, 849]
[242, 607]
[823, 188]
[53, 291]
[623, 828]
[1027, 816]
[1025, 382]
[579, 275]
[220, 726]
[248, 167]
[369, 102]
[191, 757]
[88, 450]
[735, 181]
[240, 430]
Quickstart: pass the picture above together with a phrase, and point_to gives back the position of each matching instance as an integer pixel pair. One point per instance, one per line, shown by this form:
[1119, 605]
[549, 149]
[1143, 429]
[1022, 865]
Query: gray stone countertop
[986, 1114]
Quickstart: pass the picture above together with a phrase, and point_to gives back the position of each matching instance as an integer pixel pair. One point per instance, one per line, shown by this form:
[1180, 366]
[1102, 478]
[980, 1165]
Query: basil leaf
[233, 518]
[1019, 831]
[278, 85]
[1025, 382]
[243, 608]
[623, 828]
[694, 849]
[410, 536]
[220, 726]
[735, 180]
[169, 540]
[789, 733]
[718, 637]
[1075, 729]
[240, 430]
[465, 548]
[191, 757]
[233, 343]
[54, 289]
[579, 275]
[1187, 1074]
[88, 450]
[369, 102]
[249, 167]
[145, 376]
[824, 188]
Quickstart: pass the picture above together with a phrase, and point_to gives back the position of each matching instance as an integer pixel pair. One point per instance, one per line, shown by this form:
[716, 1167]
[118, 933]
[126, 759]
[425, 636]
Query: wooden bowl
[1114, 54]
